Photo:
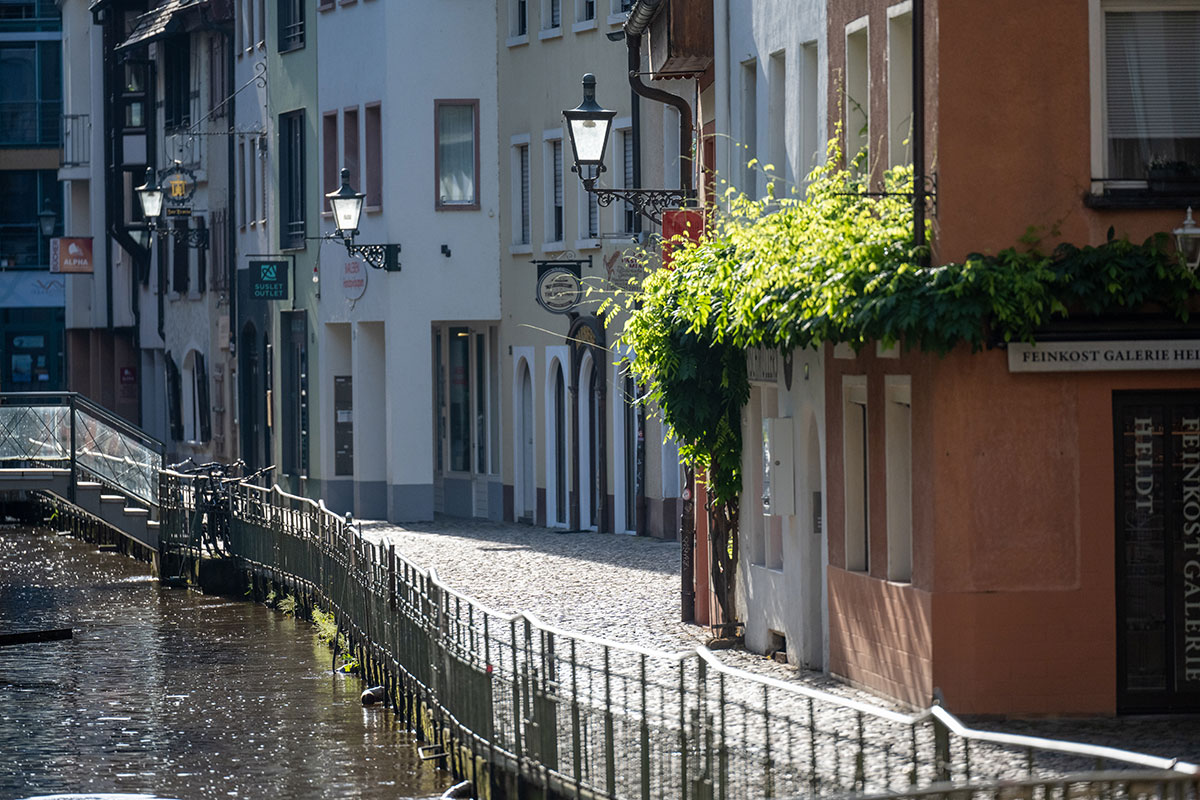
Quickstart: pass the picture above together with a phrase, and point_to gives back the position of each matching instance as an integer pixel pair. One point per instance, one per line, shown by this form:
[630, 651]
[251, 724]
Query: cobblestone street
[626, 588]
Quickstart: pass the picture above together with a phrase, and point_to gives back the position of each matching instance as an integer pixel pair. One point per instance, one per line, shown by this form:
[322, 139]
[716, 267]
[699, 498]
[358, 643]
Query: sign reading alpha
[71, 255]
[269, 279]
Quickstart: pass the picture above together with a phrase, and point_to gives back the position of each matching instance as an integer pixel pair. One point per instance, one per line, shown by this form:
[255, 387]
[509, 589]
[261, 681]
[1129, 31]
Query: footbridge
[64, 445]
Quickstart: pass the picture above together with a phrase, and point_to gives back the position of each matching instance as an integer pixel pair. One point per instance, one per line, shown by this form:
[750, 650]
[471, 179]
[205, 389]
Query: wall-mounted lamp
[150, 195]
[346, 205]
[1187, 239]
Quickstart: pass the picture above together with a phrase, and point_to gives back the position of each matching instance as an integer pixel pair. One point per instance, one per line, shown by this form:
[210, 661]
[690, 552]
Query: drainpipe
[918, 92]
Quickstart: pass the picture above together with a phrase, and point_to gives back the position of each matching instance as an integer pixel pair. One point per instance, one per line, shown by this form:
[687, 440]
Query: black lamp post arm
[650, 203]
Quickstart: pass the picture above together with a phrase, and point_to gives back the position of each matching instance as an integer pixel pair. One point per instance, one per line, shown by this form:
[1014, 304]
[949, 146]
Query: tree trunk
[723, 552]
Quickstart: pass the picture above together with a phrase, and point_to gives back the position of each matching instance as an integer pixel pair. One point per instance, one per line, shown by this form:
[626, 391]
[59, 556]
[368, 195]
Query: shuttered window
[630, 215]
[524, 159]
[202, 410]
[1152, 92]
[557, 178]
[179, 259]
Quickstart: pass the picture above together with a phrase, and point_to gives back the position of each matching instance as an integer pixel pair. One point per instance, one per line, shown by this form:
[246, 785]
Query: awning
[158, 22]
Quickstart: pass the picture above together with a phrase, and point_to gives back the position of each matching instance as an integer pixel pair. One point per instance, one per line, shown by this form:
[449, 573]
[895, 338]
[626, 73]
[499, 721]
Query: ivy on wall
[839, 266]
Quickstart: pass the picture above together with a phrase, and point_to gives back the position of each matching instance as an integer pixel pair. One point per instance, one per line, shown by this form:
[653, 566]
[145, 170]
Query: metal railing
[68, 430]
[584, 716]
[76, 140]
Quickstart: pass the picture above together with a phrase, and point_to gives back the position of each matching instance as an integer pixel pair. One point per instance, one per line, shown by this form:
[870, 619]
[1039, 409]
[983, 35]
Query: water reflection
[176, 694]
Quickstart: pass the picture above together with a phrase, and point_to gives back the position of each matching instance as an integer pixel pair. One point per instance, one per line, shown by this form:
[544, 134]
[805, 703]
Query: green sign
[269, 280]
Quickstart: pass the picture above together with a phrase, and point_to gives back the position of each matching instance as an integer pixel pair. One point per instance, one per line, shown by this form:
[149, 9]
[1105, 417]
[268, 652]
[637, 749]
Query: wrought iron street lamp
[1187, 239]
[588, 127]
[346, 205]
[150, 195]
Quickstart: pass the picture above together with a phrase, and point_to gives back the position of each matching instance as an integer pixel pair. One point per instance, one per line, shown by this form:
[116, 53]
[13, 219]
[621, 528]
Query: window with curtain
[457, 162]
[1152, 94]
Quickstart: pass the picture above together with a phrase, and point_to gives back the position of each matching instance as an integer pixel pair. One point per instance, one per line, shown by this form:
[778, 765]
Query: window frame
[520, 194]
[1117, 192]
[292, 155]
[294, 17]
[552, 182]
[438, 204]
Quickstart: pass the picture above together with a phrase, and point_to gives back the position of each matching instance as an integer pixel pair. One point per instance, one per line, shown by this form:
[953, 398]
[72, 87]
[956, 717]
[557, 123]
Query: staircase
[64, 445]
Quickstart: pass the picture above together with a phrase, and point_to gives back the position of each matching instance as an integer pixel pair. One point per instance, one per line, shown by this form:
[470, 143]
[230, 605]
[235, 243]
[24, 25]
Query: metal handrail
[87, 404]
[935, 715]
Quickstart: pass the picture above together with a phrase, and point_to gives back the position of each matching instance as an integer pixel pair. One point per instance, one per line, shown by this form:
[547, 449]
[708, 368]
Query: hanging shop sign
[1124, 356]
[71, 255]
[354, 279]
[178, 185]
[269, 279]
[762, 365]
[559, 290]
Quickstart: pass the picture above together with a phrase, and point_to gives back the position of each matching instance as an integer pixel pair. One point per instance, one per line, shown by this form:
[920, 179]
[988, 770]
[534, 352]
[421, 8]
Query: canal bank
[175, 693]
[526, 708]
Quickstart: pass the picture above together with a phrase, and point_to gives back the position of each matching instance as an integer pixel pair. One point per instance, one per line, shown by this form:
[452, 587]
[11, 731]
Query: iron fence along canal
[585, 717]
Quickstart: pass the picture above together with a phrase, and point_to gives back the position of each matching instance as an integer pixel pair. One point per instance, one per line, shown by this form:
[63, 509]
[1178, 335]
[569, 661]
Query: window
[456, 131]
[518, 27]
[627, 215]
[252, 186]
[329, 156]
[1150, 79]
[350, 146]
[585, 11]
[552, 15]
[177, 83]
[900, 96]
[262, 22]
[195, 422]
[810, 131]
[373, 185]
[174, 398]
[460, 399]
[519, 166]
[243, 198]
[777, 122]
[748, 135]
[857, 101]
[898, 430]
[291, 25]
[554, 190]
[854, 444]
[589, 215]
[291, 180]
[23, 194]
[180, 266]
[262, 183]
[217, 107]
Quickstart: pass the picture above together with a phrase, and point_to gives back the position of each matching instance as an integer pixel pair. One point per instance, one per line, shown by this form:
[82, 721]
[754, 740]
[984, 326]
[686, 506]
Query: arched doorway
[591, 430]
[558, 477]
[527, 492]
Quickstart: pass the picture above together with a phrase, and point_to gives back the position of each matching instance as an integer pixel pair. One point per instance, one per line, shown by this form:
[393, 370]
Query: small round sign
[559, 290]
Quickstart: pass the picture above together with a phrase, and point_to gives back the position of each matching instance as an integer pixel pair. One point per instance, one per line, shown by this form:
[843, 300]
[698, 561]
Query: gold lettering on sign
[1143, 464]
[1190, 502]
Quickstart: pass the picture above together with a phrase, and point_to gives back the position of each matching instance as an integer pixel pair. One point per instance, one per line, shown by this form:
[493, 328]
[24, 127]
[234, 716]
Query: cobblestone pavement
[626, 588]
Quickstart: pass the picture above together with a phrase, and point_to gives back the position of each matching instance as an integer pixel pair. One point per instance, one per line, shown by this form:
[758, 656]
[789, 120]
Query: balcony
[76, 140]
[30, 123]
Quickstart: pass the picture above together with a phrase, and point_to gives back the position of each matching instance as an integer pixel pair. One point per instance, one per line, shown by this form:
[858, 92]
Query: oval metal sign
[559, 290]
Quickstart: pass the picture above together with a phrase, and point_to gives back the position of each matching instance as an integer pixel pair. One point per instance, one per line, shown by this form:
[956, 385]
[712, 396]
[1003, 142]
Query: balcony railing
[30, 124]
[76, 140]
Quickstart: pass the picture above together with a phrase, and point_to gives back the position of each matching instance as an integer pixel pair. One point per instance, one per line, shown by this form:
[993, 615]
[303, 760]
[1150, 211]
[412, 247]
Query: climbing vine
[838, 265]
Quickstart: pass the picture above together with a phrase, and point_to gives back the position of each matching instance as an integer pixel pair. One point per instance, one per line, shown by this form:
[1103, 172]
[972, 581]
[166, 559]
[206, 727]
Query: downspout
[231, 194]
[918, 92]
[633, 42]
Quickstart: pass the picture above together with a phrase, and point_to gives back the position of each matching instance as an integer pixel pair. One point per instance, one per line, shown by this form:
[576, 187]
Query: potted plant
[1172, 176]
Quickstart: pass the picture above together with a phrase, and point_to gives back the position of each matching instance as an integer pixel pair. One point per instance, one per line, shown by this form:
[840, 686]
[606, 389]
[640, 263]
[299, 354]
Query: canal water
[176, 694]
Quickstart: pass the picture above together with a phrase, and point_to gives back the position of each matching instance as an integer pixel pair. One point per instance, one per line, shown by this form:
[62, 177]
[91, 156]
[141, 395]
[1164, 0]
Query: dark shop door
[1158, 551]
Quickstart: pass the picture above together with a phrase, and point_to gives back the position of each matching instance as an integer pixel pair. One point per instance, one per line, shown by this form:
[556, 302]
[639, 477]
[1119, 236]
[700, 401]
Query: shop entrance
[1158, 551]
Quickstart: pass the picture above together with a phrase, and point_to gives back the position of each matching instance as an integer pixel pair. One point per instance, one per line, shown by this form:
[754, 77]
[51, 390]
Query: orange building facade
[1018, 529]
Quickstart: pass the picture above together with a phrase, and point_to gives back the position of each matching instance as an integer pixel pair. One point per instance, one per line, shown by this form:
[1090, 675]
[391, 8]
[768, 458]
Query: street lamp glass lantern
[588, 126]
[1187, 239]
[346, 205]
[47, 219]
[151, 196]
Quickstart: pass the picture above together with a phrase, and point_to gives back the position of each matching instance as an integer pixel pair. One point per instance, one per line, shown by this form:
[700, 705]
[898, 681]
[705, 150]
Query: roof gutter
[640, 15]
